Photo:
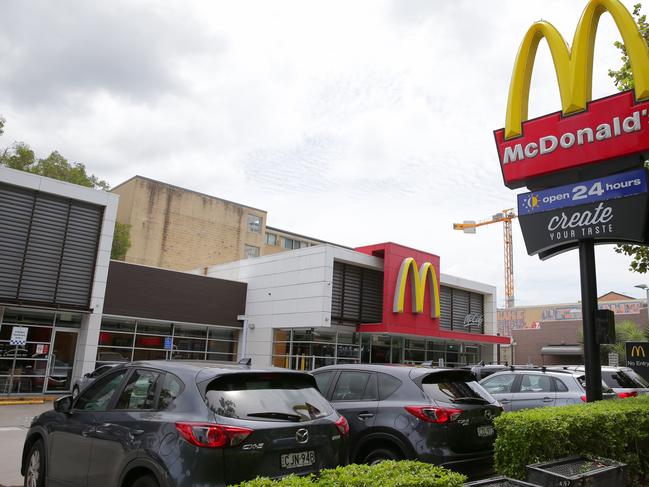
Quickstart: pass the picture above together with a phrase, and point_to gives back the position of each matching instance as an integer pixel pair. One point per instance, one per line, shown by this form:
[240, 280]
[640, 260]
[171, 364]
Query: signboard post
[637, 357]
[588, 145]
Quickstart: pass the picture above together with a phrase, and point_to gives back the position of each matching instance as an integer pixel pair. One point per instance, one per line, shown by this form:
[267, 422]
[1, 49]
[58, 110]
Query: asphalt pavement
[14, 422]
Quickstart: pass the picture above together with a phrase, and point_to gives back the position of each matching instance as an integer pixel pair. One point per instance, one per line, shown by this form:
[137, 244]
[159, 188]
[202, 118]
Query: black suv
[164, 424]
[440, 416]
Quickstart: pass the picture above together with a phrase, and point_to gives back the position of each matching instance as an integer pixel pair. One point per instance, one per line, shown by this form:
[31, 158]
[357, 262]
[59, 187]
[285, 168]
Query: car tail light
[627, 394]
[583, 398]
[431, 414]
[210, 435]
[343, 426]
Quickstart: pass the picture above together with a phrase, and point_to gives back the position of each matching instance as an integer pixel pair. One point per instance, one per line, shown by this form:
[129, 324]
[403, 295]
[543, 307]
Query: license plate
[484, 431]
[296, 460]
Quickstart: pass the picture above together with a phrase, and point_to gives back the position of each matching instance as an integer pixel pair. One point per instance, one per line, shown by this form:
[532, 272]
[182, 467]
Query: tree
[20, 156]
[625, 331]
[623, 79]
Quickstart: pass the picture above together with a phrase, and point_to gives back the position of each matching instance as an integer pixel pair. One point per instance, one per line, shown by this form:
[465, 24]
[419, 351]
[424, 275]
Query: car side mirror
[86, 375]
[63, 404]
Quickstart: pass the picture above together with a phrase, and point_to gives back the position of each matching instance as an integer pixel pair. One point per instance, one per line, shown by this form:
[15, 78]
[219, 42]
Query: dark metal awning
[562, 350]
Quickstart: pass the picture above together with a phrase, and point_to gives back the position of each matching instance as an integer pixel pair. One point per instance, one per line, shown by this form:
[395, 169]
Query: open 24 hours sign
[611, 209]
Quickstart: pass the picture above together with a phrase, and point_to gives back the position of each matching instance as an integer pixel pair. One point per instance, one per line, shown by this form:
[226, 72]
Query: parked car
[625, 381]
[175, 424]
[525, 388]
[438, 415]
[90, 377]
[481, 370]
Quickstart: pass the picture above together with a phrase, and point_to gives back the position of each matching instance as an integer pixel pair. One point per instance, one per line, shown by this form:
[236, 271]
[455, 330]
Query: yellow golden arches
[574, 68]
[418, 280]
[637, 350]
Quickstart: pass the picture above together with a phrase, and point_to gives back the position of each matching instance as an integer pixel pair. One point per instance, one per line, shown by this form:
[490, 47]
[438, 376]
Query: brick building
[176, 228]
[551, 334]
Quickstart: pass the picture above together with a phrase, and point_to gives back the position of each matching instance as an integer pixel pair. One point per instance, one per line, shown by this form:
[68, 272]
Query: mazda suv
[174, 424]
[441, 416]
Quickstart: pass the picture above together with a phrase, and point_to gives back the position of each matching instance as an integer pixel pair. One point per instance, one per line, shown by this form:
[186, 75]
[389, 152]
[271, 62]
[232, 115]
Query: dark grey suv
[439, 416]
[164, 424]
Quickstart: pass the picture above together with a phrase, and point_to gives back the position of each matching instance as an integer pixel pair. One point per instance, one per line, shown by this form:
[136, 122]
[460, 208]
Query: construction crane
[505, 216]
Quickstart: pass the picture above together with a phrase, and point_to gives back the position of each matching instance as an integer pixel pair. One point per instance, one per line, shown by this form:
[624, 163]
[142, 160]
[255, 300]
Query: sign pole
[589, 310]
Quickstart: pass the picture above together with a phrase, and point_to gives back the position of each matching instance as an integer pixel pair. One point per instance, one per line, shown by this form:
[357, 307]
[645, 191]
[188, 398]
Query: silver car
[624, 381]
[90, 377]
[525, 388]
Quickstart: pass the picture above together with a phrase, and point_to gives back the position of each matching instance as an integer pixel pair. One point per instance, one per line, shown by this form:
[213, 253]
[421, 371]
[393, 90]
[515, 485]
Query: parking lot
[14, 421]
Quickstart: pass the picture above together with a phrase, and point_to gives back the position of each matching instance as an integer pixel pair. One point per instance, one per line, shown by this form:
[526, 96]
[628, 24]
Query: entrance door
[59, 371]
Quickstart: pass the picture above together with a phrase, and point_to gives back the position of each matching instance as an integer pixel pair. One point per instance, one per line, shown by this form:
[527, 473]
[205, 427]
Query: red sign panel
[610, 128]
[405, 320]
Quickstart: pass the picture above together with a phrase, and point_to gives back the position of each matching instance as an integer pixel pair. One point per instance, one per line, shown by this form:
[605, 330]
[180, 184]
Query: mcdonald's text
[610, 128]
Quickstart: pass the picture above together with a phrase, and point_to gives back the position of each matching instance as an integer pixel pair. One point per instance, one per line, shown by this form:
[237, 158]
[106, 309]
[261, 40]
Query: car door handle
[365, 415]
[136, 432]
[547, 399]
[505, 401]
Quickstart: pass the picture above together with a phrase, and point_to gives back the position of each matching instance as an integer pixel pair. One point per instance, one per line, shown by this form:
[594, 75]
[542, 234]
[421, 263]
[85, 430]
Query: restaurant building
[383, 303]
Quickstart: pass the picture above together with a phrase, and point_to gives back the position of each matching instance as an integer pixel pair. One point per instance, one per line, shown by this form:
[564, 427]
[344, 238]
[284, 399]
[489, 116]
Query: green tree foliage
[21, 157]
[623, 79]
[625, 331]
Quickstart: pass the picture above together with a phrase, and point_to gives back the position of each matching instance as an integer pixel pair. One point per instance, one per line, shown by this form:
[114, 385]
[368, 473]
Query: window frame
[126, 375]
[368, 373]
[156, 396]
[514, 387]
[251, 224]
[247, 247]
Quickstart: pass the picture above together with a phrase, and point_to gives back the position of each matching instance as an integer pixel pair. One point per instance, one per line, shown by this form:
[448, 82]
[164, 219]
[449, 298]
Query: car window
[170, 390]
[620, 379]
[139, 392]
[371, 389]
[98, 371]
[387, 385]
[559, 385]
[350, 386]
[455, 386]
[323, 379]
[499, 384]
[267, 396]
[536, 383]
[637, 378]
[97, 397]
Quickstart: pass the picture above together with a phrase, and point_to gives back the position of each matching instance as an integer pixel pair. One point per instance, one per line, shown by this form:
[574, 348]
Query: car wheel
[75, 391]
[35, 470]
[380, 455]
[145, 481]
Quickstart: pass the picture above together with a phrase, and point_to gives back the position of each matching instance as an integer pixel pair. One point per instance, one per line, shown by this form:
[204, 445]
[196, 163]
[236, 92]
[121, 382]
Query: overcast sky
[355, 122]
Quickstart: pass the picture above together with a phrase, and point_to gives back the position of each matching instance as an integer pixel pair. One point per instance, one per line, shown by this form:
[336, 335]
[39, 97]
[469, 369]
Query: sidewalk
[14, 422]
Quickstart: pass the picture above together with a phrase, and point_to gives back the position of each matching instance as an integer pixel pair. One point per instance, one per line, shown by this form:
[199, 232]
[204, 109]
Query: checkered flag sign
[18, 335]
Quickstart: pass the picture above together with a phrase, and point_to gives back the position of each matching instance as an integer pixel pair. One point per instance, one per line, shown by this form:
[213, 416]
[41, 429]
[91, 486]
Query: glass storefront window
[69, 320]
[107, 355]
[28, 317]
[221, 357]
[181, 355]
[111, 339]
[116, 324]
[189, 344]
[140, 354]
[190, 331]
[149, 341]
[223, 334]
[154, 328]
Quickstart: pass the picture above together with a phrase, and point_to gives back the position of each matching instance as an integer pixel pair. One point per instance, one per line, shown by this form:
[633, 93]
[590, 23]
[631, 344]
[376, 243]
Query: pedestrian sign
[168, 343]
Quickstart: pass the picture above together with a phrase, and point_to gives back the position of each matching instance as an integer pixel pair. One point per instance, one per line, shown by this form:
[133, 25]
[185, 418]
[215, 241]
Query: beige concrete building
[176, 228]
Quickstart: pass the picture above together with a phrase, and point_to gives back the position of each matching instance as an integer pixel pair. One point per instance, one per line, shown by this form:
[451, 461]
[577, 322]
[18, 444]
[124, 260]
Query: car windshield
[455, 387]
[605, 388]
[623, 379]
[267, 397]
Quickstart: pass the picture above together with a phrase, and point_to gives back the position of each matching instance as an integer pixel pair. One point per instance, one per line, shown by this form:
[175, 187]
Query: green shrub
[384, 474]
[617, 429]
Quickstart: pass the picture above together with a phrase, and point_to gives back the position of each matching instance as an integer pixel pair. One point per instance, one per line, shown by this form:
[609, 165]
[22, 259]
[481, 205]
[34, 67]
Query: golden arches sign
[419, 278]
[637, 350]
[574, 67]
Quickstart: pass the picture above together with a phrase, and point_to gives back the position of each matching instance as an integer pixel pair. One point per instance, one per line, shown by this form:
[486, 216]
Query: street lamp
[646, 288]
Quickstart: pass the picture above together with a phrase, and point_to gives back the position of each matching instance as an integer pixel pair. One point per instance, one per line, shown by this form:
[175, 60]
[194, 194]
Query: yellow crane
[505, 216]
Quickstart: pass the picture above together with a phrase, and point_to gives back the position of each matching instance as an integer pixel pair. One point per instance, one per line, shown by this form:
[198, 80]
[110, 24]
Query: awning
[562, 350]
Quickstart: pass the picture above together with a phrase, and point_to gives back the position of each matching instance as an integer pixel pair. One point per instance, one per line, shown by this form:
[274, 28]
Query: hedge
[616, 429]
[385, 474]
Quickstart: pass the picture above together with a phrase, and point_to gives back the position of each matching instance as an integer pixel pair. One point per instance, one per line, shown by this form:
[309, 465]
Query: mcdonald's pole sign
[637, 357]
[584, 132]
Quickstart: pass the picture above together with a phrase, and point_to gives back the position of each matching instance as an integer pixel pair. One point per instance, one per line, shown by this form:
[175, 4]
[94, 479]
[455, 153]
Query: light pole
[646, 288]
